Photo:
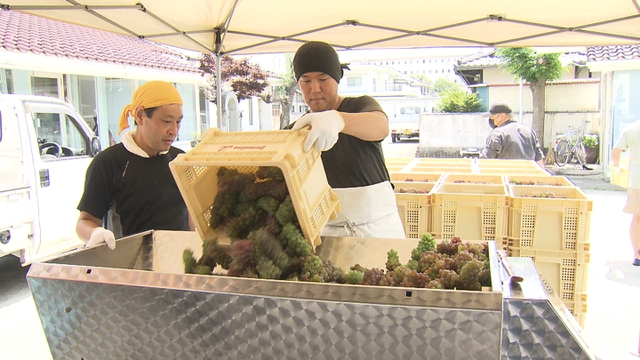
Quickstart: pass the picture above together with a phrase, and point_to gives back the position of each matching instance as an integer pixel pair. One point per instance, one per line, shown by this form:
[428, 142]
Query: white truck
[45, 148]
[406, 124]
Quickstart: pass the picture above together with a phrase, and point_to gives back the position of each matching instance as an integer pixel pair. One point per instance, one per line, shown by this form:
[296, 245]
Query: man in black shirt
[349, 132]
[133, 178]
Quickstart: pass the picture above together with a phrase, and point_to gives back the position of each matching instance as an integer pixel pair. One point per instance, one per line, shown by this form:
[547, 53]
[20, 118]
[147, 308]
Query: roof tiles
[32, 34]
[613, 53]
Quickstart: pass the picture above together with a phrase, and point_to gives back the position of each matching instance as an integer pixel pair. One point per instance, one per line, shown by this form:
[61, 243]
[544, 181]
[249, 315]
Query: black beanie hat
[317, 56]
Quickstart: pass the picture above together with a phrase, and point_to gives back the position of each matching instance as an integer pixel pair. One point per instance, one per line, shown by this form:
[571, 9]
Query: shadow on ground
[624, 273]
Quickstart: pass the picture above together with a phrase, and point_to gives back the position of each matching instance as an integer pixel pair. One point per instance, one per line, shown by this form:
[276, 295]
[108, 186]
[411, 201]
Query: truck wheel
[393, 138]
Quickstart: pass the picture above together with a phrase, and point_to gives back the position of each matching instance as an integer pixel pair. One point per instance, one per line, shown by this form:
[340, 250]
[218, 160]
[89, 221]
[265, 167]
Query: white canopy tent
[279, 26]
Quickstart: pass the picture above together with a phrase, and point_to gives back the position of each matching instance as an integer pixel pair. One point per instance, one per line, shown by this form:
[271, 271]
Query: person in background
[629, 140]
[509, 139]
[133, 178]
[348, 131]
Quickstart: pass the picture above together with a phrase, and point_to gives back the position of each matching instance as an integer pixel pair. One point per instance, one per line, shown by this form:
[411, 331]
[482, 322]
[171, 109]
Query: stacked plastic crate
[508, 167]
[471, 211]
[413, 186]
[397, 164]
[413, 200]
[549, 221]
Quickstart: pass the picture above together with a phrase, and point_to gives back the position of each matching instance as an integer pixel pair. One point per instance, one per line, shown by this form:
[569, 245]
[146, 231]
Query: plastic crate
[548, 223]
[620, 174]
[196, 175]
[414, 208]
[513, 171]
[578, 307]
[469, 211]
[444, 168]
[404, 176]
[395, 168]
[507, 163]
[398, 161]
[472, 179]
[427, 161]
[538, 180]
[563, 273]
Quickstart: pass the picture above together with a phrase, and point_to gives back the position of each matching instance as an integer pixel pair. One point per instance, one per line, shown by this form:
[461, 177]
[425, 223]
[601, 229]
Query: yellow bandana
[150, 95]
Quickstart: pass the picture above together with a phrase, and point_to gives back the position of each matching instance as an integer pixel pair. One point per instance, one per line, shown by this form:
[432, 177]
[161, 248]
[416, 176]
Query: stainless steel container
[136, 303]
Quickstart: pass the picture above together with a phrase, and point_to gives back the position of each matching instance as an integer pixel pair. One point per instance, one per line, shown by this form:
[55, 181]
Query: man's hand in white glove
[100, 235]
[325, 127]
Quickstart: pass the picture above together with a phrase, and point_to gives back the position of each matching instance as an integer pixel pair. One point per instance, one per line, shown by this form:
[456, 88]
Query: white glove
[100, 235]
[325, 127]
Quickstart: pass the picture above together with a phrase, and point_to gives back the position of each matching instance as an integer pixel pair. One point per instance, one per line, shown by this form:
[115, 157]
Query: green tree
[443, 85]
[424, 78]
[536, 69]
[285, 93]
[459, 101]
[244, 78]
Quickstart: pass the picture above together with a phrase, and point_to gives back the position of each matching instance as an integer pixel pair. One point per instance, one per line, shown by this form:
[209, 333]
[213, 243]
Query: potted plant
[592, 147]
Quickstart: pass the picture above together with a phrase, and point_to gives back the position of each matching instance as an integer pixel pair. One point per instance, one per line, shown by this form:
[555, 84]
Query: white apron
[367, 211]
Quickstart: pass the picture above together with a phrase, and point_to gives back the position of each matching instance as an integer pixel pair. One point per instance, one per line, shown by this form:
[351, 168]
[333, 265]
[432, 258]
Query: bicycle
[569, 146]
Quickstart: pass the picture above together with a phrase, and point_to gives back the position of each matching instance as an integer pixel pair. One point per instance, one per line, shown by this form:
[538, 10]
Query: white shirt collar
[131, 145]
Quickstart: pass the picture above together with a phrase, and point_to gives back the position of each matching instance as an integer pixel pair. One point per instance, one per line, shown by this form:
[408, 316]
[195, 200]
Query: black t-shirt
[143, 190]
[353, 162]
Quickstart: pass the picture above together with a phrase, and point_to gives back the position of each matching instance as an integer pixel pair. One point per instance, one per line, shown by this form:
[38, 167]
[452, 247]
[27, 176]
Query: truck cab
[405, 123]
[45, 149]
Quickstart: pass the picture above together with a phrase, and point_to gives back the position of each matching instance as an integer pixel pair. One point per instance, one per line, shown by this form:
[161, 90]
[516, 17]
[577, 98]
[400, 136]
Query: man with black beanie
[348, 131]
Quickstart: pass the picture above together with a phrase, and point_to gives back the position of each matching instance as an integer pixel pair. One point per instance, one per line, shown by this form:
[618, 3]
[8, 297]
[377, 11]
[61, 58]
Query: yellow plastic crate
[578, 308]
[620, 174]
[507, 163]
[414, 208]
[398, 161]
[563, 273]
[427, 161]
[513, 171]
[415, 176]
[472, 179]
[469, 211]
[395, 168]
[441, 164]
[548, 223]
[529, 180]
[444, 168]
[196, 175]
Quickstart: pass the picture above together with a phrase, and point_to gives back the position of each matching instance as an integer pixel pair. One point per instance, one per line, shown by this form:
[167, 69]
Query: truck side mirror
[95, 146]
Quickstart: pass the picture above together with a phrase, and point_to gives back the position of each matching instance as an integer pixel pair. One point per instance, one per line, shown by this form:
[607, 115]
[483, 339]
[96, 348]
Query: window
[304, 108]
[354, 81]
[58, 133]
[8, 76]
[410, 110]
[45, 86]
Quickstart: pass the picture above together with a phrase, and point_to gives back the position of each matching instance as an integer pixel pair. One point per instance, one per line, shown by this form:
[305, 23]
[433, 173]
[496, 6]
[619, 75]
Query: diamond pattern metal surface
[533, 329]
[107, 321]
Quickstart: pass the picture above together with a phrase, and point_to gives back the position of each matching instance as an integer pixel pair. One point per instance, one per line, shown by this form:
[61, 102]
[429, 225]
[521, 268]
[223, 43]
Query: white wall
[559, 97]
[453, 130]
[471, 130]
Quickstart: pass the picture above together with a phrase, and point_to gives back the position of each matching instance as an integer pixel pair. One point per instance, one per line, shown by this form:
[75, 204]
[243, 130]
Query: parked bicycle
[569, 147]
